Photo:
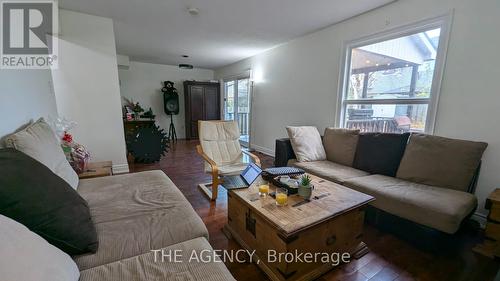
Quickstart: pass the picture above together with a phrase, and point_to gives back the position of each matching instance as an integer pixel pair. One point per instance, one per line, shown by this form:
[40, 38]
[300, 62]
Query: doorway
[237, 105]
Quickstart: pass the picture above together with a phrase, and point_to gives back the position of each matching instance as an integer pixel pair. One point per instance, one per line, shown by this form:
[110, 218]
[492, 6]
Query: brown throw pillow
[340, 145]
[441, 162]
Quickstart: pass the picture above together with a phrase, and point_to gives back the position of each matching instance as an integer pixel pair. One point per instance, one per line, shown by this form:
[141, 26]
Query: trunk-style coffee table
[332, 222]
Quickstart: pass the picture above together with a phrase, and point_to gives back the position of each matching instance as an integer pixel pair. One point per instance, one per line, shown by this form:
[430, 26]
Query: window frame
[444, 22]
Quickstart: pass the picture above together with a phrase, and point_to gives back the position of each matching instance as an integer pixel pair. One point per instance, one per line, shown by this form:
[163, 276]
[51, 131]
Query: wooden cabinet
[202, 101]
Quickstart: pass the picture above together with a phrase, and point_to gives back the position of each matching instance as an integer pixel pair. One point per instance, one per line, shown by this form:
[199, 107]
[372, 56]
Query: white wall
[86, 86]
[25, 95]
[301, 77]
[142, 83]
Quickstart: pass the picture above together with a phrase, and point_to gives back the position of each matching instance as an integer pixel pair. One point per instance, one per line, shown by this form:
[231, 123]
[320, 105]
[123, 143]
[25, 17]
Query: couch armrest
[283, 152]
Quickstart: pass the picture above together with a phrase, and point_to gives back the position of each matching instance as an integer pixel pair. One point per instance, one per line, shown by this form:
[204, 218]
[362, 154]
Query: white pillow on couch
[306, 143]
[40, 143]
[28, 257]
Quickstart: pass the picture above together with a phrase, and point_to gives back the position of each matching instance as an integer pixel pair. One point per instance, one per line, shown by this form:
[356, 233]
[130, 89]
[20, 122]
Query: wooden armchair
[220, 148]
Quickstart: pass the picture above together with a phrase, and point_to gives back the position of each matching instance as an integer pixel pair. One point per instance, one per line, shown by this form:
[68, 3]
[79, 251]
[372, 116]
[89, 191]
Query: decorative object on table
[136, 108]
[145, 141]
[60, 126]
[76, 154]
[274, 176]
[305, 187]
[148, 114]
[171, 106]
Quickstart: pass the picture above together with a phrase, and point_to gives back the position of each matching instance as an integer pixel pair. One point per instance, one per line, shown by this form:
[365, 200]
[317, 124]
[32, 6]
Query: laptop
[243, 180]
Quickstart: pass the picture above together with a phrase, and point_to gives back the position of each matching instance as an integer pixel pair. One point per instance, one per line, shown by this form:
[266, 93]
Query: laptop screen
[251, 173]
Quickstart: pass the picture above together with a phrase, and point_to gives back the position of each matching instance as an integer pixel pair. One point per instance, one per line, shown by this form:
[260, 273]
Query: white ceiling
[225, 31]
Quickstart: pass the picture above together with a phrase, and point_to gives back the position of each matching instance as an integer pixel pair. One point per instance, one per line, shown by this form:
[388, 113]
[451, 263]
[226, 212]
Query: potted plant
[305, 187]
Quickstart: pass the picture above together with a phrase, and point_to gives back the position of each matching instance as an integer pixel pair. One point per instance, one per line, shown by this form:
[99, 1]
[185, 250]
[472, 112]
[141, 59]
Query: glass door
[237, 105]
[229, 100]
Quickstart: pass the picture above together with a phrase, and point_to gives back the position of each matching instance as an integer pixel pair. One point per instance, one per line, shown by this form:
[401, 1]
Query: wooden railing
[382, 125]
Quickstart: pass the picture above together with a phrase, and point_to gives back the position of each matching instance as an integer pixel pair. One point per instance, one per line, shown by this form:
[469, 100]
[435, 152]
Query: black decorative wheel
[147, 144]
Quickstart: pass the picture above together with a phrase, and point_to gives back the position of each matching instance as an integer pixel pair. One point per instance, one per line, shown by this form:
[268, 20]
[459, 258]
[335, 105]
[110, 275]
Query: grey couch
[433, 185]
[135, 214]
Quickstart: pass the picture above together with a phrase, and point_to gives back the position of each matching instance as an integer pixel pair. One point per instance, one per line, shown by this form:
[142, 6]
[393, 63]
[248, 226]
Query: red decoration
[67, 137]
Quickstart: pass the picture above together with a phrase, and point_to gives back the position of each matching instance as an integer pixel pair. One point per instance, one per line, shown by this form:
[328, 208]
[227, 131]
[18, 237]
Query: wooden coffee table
[331, 224]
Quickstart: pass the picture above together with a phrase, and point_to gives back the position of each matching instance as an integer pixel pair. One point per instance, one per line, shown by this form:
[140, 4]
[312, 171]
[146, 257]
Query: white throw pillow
[28, 257]
[40, 143]
[306, 143]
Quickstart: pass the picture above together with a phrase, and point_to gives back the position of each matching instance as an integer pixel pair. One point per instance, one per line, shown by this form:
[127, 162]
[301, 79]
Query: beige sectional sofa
[432, 183]
[136, 219]
[135, 214]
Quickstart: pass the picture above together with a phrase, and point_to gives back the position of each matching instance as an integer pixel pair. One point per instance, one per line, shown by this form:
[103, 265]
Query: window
[391, 81]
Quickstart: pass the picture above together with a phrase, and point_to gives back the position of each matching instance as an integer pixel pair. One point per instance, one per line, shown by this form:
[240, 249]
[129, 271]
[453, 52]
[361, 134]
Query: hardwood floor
[389, 258]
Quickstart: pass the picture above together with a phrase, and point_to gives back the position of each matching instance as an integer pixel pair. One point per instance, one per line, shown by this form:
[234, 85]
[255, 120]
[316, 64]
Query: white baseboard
[264, 150]
[120, 169]
[481, 218]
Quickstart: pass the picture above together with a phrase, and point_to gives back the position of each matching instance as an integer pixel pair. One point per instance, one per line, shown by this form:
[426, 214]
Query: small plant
[305, 180]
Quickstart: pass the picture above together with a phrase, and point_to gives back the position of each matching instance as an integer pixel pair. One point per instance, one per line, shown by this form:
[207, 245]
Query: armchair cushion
[220, 141]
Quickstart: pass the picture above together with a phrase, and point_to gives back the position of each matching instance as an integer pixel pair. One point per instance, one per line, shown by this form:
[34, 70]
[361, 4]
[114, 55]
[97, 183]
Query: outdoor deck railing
[382, 125]
[242, 121]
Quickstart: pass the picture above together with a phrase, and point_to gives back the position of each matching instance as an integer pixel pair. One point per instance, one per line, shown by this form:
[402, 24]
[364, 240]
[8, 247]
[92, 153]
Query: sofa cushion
[135, 213]
[380, 153]
[330, 171]
[28, 257]
[439, 161]
[33, 195]
[150, 266]
[39, 142]
[436, 207]
[306, 143]
[340, 145]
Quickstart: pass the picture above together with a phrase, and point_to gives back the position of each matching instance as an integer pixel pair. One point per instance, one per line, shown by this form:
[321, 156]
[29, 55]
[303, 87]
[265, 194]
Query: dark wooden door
[202, 101]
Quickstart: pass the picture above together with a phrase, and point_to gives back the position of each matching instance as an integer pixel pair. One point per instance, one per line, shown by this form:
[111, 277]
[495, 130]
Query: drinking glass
[263, 189]
[281, 196]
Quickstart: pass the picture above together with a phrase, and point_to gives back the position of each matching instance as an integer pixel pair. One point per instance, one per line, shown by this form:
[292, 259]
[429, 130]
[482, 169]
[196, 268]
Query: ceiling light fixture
[193, 11]
[185, 66]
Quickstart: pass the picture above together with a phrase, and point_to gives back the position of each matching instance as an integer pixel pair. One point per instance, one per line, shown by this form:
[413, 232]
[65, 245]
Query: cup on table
[263, 189]
[281, 197]
[284, 179]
